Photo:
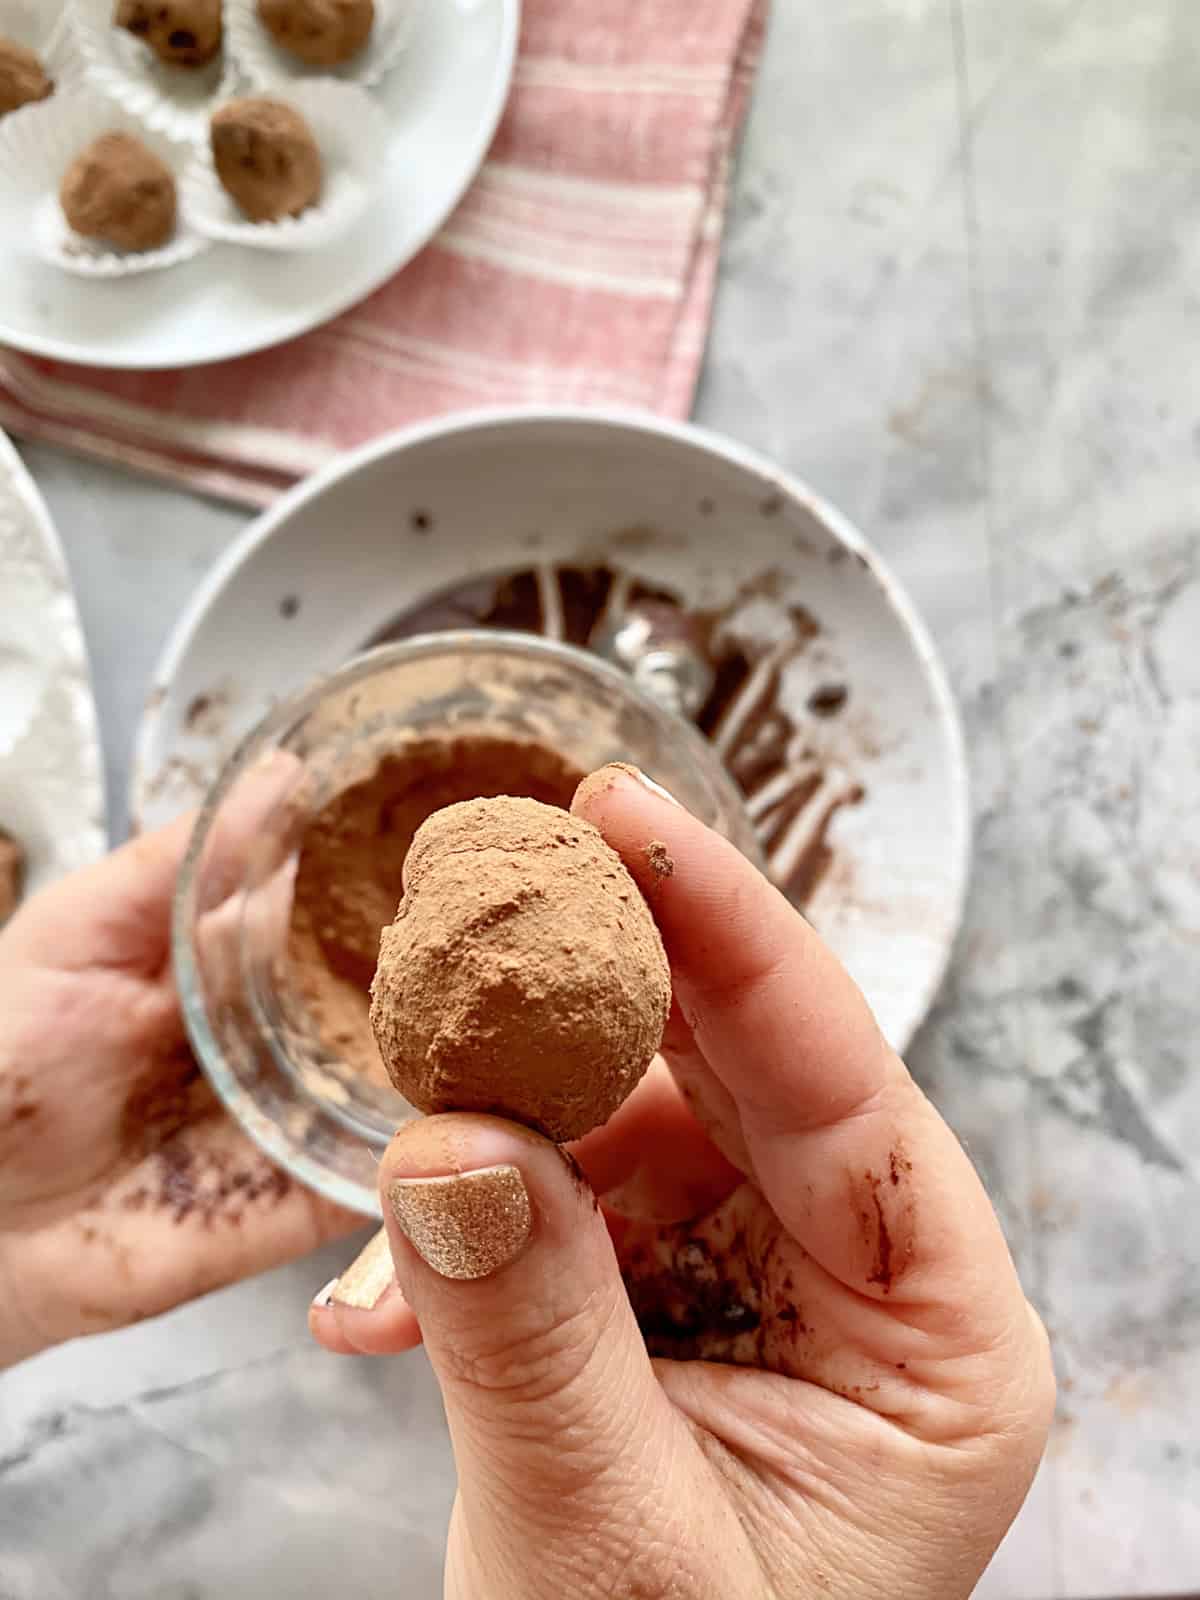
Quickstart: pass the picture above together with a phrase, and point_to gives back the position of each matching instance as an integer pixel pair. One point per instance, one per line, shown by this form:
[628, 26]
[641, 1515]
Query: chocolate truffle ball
[120, 192]
[22, 77]
[266, 157]
[324, 33]
[182, 33]
[523, 975]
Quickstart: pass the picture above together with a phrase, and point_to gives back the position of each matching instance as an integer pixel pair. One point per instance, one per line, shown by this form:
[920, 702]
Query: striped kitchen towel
[578, 269]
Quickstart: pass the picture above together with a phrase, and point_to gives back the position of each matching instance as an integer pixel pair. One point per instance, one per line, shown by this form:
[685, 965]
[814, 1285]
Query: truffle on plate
[120, 192]
[266, 157]
[523, 975]
[182, 33]
[323, 33]
[23, 79]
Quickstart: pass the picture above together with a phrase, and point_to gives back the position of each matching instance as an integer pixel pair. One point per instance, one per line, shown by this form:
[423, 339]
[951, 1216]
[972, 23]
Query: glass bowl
[237, 915]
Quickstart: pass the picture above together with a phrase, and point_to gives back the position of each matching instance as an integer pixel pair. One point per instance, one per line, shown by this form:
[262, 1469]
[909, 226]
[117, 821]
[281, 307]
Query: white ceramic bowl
[757, 557]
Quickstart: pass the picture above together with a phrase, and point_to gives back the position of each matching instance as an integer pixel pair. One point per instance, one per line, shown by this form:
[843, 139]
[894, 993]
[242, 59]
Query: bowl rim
[235, 1098]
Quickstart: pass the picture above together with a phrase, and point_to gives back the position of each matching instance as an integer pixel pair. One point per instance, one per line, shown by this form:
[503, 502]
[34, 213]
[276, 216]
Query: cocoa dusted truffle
[523, 975]
[266, 158]
[324, 33]
[119, 192]
[182, 33]
[23, 79]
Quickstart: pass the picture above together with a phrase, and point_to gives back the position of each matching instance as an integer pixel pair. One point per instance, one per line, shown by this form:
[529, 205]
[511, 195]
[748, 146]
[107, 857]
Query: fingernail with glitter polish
[465, 1225]
[362, 1285]
[654, 788]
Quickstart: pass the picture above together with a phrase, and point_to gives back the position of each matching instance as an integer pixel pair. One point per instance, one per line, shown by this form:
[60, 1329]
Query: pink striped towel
[578, 269]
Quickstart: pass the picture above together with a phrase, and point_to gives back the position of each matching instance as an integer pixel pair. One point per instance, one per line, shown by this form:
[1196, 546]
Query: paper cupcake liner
[175, 101]
[268, 67]
[350, 131]
[37, 147]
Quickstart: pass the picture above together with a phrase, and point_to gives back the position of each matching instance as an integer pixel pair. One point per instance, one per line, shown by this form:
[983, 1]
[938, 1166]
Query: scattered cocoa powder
[349, 878]
[524, 974]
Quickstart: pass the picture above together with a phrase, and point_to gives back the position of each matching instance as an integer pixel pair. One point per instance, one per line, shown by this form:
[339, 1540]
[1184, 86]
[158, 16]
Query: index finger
[853, 1158]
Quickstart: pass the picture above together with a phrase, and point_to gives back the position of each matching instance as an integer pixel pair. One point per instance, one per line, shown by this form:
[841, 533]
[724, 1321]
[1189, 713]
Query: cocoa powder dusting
[349, 877]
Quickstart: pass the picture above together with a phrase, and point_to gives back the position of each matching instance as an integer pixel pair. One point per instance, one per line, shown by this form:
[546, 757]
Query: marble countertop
[959, 297]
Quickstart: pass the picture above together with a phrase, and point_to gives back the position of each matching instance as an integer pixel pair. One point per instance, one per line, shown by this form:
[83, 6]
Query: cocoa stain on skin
[661, 863]
[205, 1186]
[691, 1311]
[22, 1106]
[162, 1100]
[578, 1176]
[892, 1256]
[712, 1289]
[882, 1274]
[172, 1175]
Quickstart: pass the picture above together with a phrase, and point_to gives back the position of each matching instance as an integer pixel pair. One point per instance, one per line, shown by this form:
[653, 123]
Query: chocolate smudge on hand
[205, 1186]
[661, 863]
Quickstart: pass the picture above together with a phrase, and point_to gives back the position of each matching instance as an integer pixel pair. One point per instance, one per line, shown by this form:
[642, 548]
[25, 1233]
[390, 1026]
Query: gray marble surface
[959, 295]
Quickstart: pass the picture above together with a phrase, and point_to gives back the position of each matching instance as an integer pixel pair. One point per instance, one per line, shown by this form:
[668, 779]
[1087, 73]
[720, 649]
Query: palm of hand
[124, 1188]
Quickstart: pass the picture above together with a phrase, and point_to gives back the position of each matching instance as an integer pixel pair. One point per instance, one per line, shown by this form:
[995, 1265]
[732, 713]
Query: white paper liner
[37, 147]
[176, 101]
[268, 67]
[351, 133]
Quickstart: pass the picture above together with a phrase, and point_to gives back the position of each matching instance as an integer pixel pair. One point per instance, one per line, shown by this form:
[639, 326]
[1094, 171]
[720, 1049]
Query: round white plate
[334, 562]
[442, 101]
[51, 775]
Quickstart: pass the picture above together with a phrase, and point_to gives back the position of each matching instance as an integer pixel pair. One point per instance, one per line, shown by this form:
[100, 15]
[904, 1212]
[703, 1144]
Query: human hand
[124, 1187]
[837, 1386]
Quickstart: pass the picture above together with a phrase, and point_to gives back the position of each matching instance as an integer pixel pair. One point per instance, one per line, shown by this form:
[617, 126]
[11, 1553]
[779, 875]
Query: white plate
[51, 782]
[334, 561]
[442, 102]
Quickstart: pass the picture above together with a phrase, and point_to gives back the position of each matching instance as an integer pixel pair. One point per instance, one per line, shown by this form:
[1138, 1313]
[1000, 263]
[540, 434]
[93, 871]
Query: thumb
[555, 1413]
